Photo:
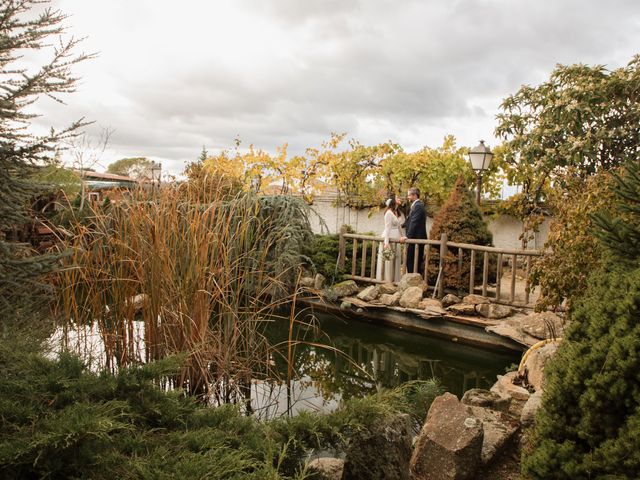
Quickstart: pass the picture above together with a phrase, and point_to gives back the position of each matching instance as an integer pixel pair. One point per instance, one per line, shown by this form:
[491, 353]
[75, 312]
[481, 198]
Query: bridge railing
[486, 266]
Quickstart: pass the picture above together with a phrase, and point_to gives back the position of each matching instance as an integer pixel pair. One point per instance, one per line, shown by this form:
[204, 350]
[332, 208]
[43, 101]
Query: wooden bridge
[365, 249]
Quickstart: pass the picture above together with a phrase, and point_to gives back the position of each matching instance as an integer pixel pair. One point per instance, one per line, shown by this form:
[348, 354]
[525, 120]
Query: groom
[416, 226]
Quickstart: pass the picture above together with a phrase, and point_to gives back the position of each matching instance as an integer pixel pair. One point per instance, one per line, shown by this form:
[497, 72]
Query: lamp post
[480, 160]
[156, 173]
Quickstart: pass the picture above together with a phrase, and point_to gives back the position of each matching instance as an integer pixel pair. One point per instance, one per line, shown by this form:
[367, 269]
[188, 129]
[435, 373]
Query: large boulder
[512, 328]
[478, 397]
[388, 288]
[536, 363]
[411, 280]
[530, 408]
[383, 452]
[329, 468]
[449, 445]
[368, 294]
[344, 289]
[505, 386]
[493, 310]
[498, 428]
[389, 300]
[543, 325]
[411, 297]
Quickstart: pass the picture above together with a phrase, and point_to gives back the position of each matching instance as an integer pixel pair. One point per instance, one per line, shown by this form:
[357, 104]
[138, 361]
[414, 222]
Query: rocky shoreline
[461, 438]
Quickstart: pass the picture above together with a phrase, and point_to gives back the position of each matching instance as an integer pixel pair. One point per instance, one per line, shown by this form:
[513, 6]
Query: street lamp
[156, 173]
[480, 159]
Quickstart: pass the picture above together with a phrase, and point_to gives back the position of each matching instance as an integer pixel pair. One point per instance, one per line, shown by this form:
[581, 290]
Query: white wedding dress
[391, 231]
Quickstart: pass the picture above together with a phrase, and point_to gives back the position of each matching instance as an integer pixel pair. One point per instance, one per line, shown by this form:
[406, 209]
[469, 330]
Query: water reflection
[374, 357]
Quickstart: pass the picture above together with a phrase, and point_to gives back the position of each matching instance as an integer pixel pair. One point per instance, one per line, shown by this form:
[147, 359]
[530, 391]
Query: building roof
[106, 176]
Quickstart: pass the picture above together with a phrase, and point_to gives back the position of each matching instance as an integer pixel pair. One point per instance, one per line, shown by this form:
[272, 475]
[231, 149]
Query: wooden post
[342, 247]
[499, 276]
[527, 285]
[374, 257]
[514, 262]
[485, 274]
[443, 254]
[363, 267]
[427, 250]
[472, 271]
[354, 257]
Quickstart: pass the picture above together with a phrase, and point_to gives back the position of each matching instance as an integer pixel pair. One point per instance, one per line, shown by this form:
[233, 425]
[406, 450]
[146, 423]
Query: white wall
[506, 230]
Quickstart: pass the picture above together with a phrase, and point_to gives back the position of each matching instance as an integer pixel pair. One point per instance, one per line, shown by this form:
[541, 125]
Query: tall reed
[210, 269]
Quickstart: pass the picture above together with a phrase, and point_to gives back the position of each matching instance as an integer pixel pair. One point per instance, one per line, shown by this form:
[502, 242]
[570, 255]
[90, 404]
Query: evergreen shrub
[60, 420]
[589, 423]
[461, 219]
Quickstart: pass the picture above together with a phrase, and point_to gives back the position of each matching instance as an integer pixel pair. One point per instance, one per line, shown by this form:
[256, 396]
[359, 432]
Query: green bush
[323, 254]
[60, 420]
[589, 424]
[461, 219]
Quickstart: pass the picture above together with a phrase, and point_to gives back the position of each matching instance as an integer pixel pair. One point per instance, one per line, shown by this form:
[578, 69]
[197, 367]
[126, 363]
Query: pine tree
[27, 26]
[589, 424]
[203, 154]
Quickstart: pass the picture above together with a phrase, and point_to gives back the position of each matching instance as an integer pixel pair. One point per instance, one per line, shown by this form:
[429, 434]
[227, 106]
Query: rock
[431, 306]
[368, 294]
[139, 301]
[330, 468]
[307, 282]
[411, 297]
[318, 281]
[388, 288]
[430, 302]
[512, 328]
[344, 289]
[389, 300]
[493, 310]
[543, 325]
[531, 407]
[345, 305]
[411, 280]
[478, 397]
[449, 445]
[505, 386]
[498, 428]
[462, 309]
[384, 452]
[475, 299]
[450, 299]
[536, 362]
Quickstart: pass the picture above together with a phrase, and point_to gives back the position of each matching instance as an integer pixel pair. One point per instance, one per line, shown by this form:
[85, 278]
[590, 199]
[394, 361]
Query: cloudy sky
[171, 76]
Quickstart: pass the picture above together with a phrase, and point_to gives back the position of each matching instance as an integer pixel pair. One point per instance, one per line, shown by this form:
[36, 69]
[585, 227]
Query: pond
[360, 358]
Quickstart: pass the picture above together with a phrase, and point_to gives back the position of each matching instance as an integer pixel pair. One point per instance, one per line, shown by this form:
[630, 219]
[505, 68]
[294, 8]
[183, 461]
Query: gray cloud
[289, 71]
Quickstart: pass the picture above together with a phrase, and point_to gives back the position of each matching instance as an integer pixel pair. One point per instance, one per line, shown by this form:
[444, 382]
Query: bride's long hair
[392, 205]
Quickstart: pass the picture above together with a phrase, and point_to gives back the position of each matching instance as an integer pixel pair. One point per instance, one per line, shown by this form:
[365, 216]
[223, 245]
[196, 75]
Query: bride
[391, 230]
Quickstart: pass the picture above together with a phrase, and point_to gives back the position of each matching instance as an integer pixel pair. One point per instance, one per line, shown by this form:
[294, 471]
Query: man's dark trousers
[416, 229]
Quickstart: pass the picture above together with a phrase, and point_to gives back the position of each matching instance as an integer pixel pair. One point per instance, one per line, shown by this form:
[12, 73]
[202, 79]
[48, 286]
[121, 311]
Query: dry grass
[211, 268]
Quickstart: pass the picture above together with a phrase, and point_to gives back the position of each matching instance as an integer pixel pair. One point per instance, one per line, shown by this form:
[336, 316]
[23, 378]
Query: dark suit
[416, 229]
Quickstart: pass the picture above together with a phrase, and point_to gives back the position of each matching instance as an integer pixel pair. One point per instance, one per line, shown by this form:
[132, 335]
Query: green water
[372, 357]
